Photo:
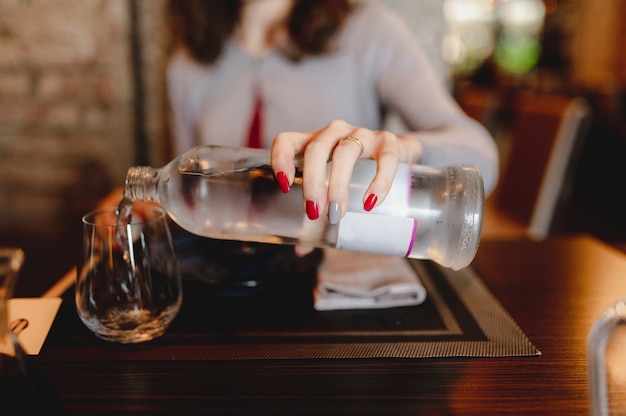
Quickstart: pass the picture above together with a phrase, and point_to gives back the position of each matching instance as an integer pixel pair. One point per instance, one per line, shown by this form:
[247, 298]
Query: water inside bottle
[442, 208]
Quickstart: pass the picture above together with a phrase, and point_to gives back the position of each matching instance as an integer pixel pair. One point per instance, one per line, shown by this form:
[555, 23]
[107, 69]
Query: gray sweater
[377, 64]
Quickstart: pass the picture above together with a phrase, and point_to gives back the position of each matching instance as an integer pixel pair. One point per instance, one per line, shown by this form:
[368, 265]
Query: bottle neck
[142, 184]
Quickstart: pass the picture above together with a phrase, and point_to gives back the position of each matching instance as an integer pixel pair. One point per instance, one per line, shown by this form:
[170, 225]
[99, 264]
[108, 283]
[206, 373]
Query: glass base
[130, 327]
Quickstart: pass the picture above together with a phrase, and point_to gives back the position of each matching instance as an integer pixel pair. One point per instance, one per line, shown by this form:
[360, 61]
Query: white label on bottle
[376, 234]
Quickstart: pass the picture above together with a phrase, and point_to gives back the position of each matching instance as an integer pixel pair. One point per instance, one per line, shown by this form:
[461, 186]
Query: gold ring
[357, 141]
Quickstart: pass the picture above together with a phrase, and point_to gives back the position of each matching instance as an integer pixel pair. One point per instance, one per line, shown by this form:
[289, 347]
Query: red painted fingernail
[370, 202]
[312, 210]
[283, 181]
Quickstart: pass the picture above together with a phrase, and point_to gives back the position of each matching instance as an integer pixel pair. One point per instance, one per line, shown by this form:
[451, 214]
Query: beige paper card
[32, 318]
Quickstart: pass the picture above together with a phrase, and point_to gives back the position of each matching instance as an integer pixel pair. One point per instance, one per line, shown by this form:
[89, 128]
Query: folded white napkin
[351, 280]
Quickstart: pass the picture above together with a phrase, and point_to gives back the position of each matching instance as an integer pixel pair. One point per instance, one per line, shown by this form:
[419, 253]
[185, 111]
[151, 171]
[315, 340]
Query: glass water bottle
[433, 213]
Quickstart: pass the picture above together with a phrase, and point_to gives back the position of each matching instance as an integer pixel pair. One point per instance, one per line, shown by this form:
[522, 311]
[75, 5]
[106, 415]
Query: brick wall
[67, 109]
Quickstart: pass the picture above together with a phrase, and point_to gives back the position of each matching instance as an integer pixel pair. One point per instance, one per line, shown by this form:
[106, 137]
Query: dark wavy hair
[203, 26]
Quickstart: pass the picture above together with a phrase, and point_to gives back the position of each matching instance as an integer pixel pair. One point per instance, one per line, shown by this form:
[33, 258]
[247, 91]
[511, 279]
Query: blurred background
[82, 99]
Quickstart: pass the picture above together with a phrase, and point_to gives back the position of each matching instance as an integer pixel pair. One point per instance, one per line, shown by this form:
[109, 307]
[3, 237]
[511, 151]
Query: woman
[315, 77]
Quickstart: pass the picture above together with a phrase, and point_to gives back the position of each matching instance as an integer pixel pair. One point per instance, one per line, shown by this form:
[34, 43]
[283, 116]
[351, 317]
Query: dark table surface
[553, 289]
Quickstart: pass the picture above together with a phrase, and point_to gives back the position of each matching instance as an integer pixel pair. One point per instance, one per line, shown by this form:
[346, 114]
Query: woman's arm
[406, 82]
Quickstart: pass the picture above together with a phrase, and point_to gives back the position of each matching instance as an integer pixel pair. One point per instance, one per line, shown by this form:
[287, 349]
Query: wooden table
[554, 290]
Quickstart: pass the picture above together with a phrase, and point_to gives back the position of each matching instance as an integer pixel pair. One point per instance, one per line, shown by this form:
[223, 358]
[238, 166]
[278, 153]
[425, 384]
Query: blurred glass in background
[507, 30]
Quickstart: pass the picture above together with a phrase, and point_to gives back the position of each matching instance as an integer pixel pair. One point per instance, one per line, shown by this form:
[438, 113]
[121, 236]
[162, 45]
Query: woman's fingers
[322, 147]
[345, 154]
[344, 144]
[386, 156]
[284, 148]
[302, 251]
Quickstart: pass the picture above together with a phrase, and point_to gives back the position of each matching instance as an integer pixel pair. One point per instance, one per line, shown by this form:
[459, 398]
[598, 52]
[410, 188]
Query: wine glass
[128, 287]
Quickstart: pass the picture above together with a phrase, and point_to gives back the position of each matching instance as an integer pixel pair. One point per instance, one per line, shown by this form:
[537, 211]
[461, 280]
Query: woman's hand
[344, 144]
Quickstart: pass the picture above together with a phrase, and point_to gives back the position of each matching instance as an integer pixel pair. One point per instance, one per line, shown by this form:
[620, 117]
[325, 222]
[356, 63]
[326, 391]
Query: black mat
[460, 318]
